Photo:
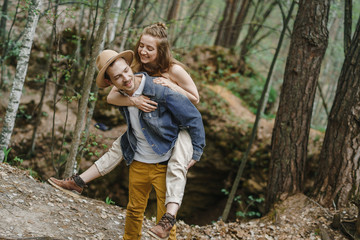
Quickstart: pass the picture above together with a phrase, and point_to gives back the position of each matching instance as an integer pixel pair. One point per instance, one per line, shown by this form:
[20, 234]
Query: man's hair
[164, 59]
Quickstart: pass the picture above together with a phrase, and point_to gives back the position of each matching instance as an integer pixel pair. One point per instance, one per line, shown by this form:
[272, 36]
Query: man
[149, 140]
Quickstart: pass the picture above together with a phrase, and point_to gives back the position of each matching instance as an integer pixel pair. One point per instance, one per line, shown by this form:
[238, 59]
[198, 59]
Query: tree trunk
[339, 176]
[237, 26]
[78, 41]
[292, 124]
[91, 106]
[171, 17]
[21, 69]
[140, 12]
[173, 11]
[229, 24]
[115, 22]
[3, 21]
[222, 26]
[190, 19]
[125, 27]
[257, 119]
[5, 45]
[43, 92]
[327, 79]
[69, 167]
[347, 25]
[255, 26]
[286, 20]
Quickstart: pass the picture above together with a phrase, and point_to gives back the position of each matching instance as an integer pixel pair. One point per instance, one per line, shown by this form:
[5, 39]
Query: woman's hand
[191, 163]
[144, 103]
[165, 82]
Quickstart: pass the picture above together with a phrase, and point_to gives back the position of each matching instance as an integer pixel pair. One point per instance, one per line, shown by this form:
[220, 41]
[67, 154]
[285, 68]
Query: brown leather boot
[162, 229]
[73, 185]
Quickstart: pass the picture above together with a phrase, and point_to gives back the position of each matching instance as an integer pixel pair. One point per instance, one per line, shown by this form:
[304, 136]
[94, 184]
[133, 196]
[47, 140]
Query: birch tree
[70, 164]
[125, 27]
[21, 69]
[115, 22]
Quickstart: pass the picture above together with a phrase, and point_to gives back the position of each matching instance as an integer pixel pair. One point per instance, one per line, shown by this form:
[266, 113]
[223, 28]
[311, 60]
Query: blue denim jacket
[161, 127]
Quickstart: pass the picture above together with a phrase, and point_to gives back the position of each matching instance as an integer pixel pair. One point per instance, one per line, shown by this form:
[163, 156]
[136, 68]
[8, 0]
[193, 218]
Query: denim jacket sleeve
[189, 118]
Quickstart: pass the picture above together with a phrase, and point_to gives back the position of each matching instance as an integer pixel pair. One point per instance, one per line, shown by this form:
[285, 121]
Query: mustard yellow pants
[177, 167]
[142, 177]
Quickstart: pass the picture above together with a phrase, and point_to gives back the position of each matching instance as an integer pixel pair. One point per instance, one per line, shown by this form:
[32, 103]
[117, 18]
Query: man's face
[121, 75]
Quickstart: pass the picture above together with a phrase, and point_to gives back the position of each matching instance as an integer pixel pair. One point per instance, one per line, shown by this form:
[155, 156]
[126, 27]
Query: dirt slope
[34, 210]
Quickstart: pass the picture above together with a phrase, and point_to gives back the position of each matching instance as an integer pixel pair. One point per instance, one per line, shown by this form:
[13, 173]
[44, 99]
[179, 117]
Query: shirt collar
[140, 89]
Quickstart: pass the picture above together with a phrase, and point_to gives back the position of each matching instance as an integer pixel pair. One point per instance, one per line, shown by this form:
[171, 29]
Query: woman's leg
[102, 166]
[107, 162]
[177, 170]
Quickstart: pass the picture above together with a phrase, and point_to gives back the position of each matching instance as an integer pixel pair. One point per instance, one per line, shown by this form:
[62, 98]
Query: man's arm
[142, 102]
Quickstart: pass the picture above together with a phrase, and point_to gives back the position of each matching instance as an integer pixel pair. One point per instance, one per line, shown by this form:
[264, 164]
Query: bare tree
[190, 18]
[262, 11]
[21, 69]
[70, 164]
[292, 123]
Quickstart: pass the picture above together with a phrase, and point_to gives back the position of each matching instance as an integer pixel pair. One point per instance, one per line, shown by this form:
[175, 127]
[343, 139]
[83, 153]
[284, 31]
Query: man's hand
[192, 162]
[144, 103]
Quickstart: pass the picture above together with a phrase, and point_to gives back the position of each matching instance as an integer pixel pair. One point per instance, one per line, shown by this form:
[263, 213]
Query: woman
[152, 55]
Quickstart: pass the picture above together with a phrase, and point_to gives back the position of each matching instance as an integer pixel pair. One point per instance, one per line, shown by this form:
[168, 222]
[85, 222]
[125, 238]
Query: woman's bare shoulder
[176, 68]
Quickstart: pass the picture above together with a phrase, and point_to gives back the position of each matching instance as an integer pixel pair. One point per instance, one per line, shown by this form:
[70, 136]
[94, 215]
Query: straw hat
[106, 58]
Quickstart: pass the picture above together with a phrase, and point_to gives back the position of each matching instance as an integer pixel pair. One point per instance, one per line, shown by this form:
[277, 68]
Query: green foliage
[250, 202]
[6, 153]
[18, 160]
[22, 113]
[14, 49]
[250, 89]
[109, 201]
[319, 128]
[91, 145]
[13, 162]
[92, 97]
[33, 173]
[226, 192]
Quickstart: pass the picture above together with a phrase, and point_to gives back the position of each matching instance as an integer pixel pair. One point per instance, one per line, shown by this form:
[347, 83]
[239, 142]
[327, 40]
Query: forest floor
[30, 209]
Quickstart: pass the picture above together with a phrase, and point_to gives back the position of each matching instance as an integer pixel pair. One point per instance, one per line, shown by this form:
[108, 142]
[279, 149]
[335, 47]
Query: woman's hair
[164, 59]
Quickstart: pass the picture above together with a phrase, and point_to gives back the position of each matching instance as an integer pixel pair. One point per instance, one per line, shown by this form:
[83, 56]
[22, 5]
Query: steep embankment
[34, 210]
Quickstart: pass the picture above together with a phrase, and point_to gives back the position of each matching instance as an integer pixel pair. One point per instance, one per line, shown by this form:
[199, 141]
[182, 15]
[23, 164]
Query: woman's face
[148, 50]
